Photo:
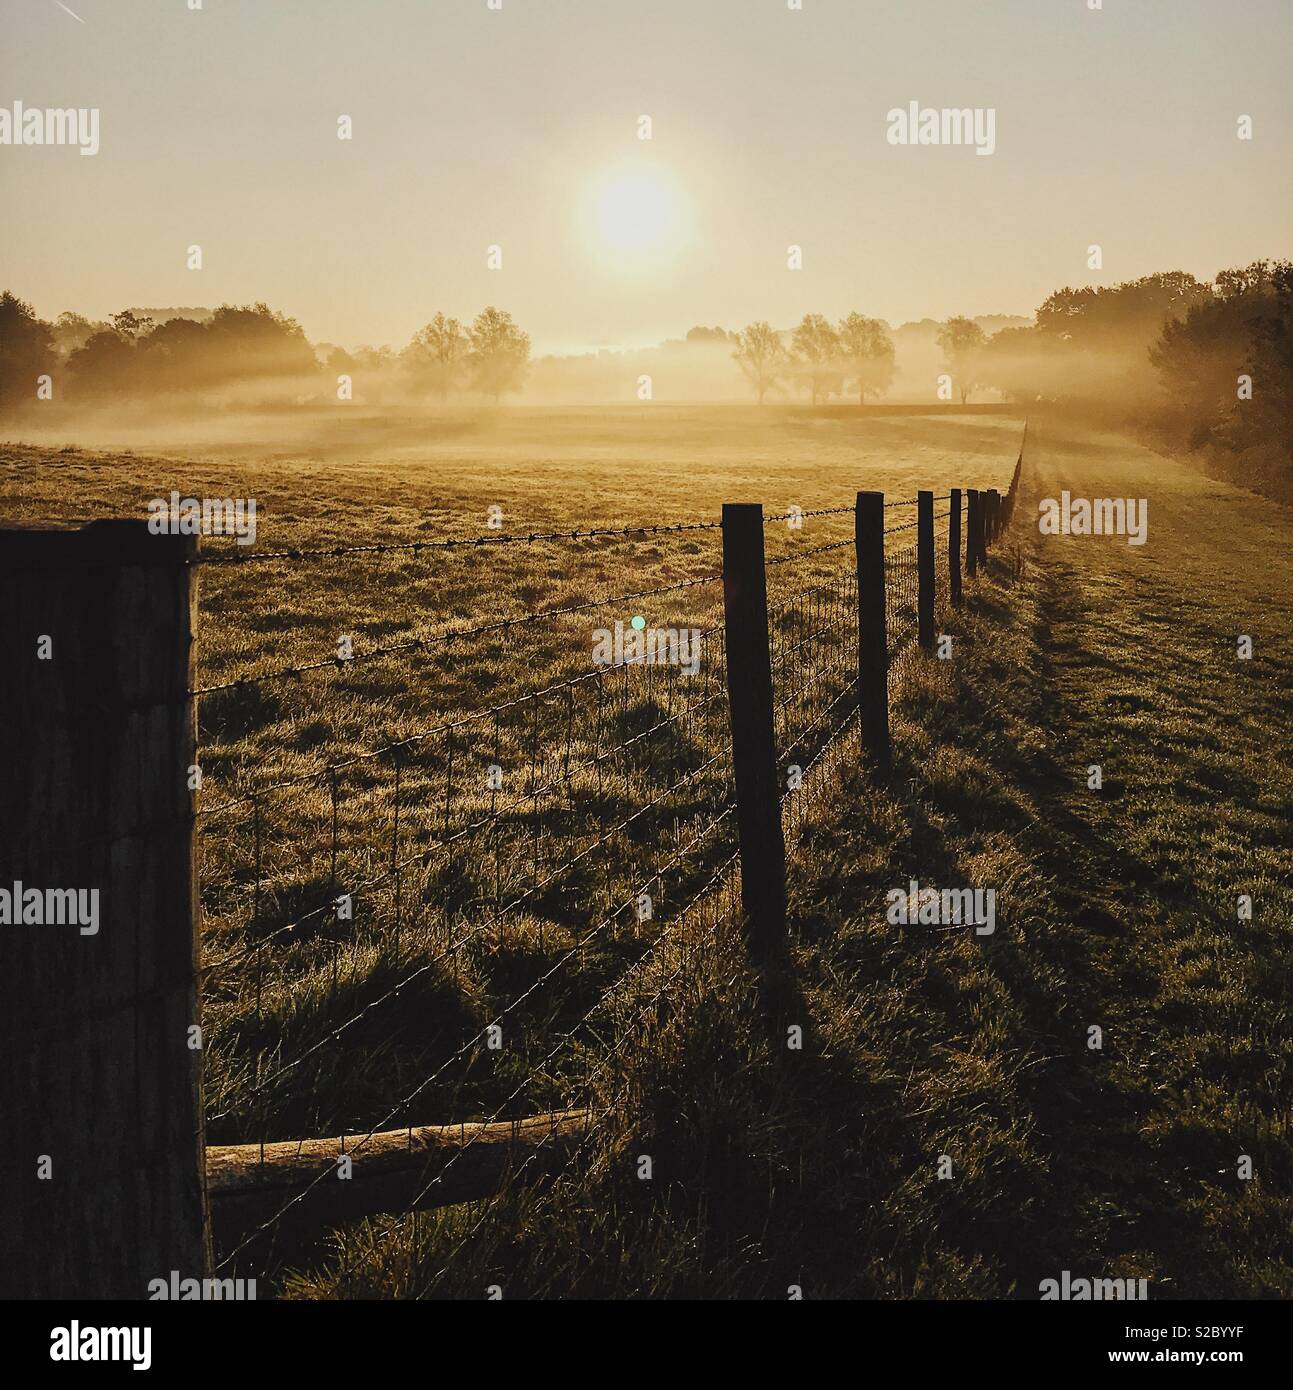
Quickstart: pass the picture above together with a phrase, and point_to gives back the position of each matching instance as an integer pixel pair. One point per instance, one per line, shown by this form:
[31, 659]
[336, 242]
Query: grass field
[772, 1167]
[620, 773]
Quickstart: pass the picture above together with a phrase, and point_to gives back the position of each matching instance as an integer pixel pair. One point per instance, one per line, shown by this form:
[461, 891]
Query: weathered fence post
[954, 548]
[994, 515]
[754, 753]
[925, 569]
[873, 640]
[972, 532]
[103, 1158]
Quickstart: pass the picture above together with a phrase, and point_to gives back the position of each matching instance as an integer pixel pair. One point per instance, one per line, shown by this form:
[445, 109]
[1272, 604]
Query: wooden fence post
[1014, 477]
[873, 639]
[925, 570]
[754, 753]
[994, 515]
[954, 548]
[972, 532]
[103, 1158]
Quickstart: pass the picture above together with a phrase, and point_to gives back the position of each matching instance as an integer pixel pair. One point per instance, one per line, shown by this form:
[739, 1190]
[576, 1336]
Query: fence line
[468, 917]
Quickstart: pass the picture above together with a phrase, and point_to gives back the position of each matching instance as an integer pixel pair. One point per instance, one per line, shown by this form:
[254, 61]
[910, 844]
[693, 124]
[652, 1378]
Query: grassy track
[1141, 675]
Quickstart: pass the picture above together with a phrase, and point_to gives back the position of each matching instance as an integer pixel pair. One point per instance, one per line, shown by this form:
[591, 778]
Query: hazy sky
[475, 127]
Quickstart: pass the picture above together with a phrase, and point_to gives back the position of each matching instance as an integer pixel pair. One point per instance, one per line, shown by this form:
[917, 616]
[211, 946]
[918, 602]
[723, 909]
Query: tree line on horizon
[820, 356]
[1200, 366]
[132, 356]
[1206, 366]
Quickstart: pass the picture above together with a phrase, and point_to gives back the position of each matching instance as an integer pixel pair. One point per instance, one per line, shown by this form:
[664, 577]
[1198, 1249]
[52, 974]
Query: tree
[1243, 328]
[867, 352]
[761, 355]
[26, 350]
[437, 353]
[72, 331]
[252, 340]
[130, 325]
[105, 364]
[499, 353]
[816, 348]
[1125, 317]
[170, 357]
[1272, 419]
[701, 334]
[1024, 364]
[238, 343]
[962, 342]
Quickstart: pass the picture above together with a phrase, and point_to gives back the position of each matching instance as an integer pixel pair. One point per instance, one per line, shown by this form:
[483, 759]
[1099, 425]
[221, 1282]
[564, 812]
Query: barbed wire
[334, 1033]
[408, 1099]
[423, 851]
[456, 634]
[812, 639]
[243, 557]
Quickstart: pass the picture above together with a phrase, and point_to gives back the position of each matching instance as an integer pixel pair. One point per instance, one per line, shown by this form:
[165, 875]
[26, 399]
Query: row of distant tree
[1208, 363]
[855, 356]
[132, 356]
[491, 356]
[1204, 366]
[822, 357]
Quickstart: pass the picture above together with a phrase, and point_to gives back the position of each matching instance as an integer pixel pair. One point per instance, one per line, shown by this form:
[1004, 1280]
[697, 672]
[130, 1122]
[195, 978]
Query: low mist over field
[1169, 355]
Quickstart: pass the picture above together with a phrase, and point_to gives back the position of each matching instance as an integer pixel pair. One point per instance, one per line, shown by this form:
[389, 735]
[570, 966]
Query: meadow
[469, 888]
[772, 1168]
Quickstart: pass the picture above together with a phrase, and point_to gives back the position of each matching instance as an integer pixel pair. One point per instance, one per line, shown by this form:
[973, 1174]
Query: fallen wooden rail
[391, 1171]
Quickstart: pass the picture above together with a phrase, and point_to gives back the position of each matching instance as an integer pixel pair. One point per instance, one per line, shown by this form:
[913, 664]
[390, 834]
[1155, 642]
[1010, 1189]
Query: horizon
[164, 313]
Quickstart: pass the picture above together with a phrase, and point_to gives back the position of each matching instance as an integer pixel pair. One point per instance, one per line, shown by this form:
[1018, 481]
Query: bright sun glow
[638, 217]
[633, 213]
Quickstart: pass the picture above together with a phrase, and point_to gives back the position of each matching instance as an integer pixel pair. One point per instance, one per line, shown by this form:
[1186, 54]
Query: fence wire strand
[541, 868]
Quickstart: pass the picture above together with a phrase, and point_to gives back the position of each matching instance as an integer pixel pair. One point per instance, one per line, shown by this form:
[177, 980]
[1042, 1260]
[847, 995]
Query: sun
[633, 213]
[638, 217]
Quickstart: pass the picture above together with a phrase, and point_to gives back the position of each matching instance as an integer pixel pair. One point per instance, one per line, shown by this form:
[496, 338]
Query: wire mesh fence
[452, 864]
[468, 919]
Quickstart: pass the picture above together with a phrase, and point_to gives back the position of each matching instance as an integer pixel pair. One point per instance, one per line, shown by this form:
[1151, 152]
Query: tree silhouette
[761, 355]
[1245, 326]
[437, 353]
[701, 334]
[867, 352]
[103, 365]
[72, 330]
[962, 342]
[26, 350]
[130, 325]
[1123, 316]
[499, 353]
[816, 348]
